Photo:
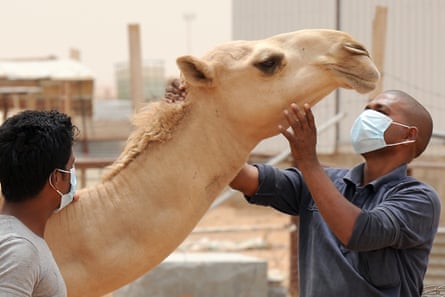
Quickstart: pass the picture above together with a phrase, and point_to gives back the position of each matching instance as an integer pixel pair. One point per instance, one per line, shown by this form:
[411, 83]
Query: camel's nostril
[356, 48]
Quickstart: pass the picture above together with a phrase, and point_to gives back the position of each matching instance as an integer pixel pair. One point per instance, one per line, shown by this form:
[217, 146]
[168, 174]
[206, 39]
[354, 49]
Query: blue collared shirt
[387, 254]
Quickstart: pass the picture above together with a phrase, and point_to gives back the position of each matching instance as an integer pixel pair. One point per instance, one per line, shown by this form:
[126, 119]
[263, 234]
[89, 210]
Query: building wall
[413, 60]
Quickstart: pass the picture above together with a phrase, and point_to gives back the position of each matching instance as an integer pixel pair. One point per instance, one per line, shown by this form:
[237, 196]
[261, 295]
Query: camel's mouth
[363, 83]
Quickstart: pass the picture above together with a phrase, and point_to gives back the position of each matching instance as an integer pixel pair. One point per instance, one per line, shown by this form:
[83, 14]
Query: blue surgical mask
[368, 131]
[67, 198]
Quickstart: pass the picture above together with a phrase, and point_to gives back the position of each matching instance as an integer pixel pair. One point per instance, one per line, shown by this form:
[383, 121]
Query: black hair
[32, 145]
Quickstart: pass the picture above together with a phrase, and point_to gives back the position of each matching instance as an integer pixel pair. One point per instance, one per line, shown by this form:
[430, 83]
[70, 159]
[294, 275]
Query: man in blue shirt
[367, 231]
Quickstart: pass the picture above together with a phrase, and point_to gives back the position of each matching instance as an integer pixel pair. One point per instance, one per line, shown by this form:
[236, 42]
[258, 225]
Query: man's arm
[18, 271]
[246, 181]
[337, 211]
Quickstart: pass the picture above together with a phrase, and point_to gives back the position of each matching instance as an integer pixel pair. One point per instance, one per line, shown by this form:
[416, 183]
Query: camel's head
[253, 81]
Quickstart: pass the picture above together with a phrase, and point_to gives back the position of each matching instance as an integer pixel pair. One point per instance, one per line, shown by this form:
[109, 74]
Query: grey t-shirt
[27, 266]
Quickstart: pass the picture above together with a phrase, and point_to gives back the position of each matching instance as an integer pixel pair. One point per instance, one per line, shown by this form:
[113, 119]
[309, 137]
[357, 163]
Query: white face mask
[368, 131]
[67, 198]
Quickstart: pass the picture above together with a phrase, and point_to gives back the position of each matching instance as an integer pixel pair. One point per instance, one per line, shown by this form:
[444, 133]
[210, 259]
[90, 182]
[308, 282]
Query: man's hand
[175, 91]
[338, 212]
[303, 137]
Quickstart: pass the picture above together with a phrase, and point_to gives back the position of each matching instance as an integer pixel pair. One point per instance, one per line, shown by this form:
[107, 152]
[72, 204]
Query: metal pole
[337, 91]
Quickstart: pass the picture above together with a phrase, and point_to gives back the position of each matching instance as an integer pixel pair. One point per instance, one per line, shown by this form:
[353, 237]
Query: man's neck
[381, 163]
[30, 216]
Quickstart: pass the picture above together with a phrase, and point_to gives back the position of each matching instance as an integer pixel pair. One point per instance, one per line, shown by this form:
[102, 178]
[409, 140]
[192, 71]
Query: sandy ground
[239, 227]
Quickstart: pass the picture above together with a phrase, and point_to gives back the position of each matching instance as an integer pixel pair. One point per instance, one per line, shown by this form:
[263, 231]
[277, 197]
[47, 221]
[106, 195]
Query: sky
[99, 30]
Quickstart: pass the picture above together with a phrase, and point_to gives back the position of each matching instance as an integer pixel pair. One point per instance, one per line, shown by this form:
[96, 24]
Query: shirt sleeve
[408, 217]
[19, 267]
[281, 189]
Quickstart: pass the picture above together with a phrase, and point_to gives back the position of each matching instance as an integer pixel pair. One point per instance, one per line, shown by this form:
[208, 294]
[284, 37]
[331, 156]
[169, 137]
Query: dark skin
[337, 211]
[35, 211]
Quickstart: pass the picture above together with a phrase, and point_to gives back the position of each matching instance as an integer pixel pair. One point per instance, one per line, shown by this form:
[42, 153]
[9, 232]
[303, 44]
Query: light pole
[188, 18]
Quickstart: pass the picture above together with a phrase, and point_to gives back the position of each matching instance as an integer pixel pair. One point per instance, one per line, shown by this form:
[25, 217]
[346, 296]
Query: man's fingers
[302, 116]
[286, 133]
[309, 116]
[292, 120]
[297, 119]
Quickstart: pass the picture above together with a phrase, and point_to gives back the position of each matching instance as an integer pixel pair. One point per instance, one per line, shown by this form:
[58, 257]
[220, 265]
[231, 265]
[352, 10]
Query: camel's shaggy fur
[155, 122]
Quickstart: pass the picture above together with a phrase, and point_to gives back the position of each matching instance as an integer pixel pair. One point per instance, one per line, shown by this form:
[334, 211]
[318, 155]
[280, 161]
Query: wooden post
[378, 45]
[5, 102]
[67, 106]
[32, 101]
[294, 278]
[83, 114]
[137, 87]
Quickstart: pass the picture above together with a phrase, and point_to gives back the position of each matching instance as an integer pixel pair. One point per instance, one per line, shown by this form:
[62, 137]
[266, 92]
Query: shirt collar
[354, 176]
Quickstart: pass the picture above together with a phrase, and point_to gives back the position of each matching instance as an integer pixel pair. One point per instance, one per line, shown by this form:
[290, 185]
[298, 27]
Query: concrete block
[202, 275]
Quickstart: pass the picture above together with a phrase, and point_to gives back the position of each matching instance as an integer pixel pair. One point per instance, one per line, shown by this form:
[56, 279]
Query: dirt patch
[239, 227]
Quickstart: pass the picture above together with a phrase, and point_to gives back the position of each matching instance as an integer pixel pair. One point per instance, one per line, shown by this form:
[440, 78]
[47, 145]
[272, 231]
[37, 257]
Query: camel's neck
[203, 150]
[169, 185]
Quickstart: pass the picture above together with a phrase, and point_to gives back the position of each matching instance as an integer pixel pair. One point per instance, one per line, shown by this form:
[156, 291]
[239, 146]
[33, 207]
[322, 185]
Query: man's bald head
[415, 114]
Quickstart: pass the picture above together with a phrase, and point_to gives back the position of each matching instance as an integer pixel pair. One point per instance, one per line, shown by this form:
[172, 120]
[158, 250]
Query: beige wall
[413, 47]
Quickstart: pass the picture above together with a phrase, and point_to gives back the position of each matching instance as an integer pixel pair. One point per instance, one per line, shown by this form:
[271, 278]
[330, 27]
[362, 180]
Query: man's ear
[54, 178]
[413, 133]
[195, 71]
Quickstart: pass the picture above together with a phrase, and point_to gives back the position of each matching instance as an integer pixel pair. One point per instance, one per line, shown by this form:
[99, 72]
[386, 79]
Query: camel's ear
[195, 71]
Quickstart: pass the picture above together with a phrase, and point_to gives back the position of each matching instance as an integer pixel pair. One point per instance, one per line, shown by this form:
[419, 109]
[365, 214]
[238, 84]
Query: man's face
[392, 106]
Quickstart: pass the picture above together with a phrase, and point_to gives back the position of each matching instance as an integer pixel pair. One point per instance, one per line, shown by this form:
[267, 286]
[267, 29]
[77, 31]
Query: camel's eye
[270, 64]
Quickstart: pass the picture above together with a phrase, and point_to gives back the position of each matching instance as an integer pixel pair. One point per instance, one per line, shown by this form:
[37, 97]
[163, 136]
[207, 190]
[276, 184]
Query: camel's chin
[362, 87]
[359, 83]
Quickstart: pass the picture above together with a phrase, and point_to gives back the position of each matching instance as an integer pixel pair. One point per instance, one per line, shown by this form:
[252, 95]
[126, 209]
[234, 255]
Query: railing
[85, 163]
[434, 291]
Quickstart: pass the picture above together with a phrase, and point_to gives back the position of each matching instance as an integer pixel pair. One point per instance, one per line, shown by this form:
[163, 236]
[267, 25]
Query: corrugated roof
[45, 69]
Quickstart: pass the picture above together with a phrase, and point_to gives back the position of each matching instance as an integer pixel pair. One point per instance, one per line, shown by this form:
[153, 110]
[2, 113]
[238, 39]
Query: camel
[181, 155]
